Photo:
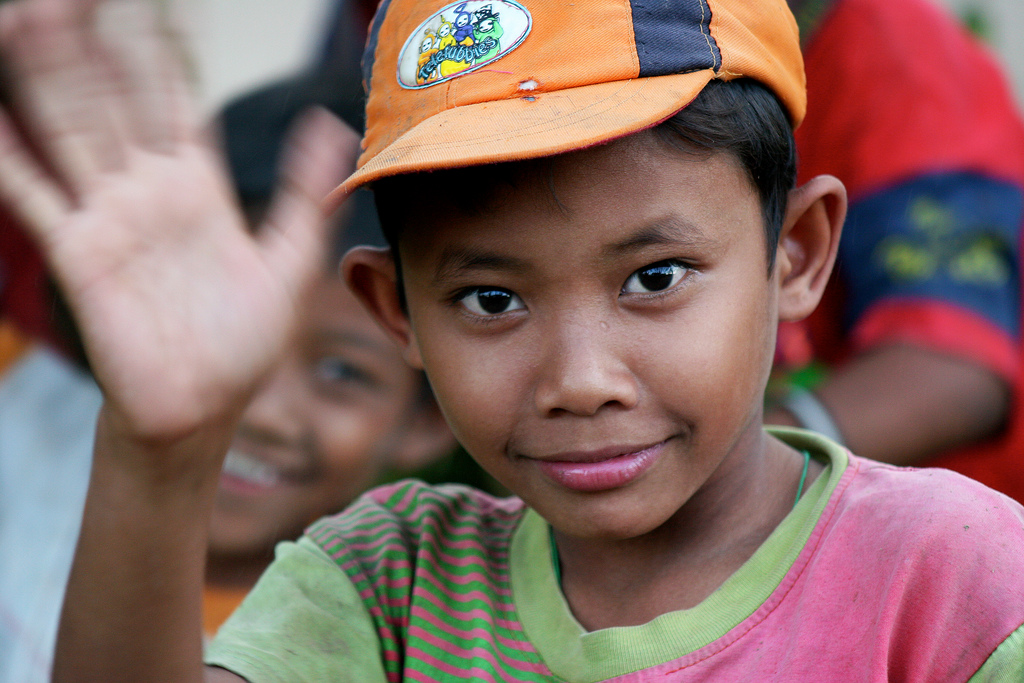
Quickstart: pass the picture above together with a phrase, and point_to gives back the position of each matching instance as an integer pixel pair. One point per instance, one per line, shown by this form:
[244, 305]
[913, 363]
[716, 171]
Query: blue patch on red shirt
[951, 237]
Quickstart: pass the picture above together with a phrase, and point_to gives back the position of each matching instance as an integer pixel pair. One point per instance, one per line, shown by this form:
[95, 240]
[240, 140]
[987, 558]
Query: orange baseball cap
[485, 81]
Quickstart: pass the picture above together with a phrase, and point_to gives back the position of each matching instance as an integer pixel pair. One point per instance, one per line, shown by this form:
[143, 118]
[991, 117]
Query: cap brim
[535, 125]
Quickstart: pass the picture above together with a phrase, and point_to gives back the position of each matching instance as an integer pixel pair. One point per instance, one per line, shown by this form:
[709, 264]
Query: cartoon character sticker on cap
[461, 38]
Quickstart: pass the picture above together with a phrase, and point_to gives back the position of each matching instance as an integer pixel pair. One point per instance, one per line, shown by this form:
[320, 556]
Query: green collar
[586, 657]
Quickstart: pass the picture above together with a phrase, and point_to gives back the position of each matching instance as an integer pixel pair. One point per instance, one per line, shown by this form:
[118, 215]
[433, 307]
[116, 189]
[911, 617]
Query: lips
[600, 470]
[246, 472]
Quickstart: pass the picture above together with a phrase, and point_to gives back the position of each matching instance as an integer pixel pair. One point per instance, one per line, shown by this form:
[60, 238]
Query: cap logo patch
[461, 38]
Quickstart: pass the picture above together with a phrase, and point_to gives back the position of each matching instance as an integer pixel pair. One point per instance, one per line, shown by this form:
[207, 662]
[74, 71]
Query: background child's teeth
[243, 467]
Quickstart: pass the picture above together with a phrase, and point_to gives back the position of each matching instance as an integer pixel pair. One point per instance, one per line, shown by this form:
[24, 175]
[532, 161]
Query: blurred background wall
[1000, 23]
[236, 44]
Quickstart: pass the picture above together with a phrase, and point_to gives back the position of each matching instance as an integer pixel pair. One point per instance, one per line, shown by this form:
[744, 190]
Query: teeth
[249, 470]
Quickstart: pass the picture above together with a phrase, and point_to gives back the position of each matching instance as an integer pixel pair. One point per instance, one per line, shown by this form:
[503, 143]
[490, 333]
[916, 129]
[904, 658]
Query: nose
[583, 371]
[274, 411]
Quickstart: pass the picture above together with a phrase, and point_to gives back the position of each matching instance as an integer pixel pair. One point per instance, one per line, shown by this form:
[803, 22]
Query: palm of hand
[178, 306]
[181, 309]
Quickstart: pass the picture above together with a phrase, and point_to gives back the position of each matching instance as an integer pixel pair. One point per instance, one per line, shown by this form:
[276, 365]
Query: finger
[26, 188]
[158, 106]
[188, 121]
[64, 88]
[56, 87]
[320, 154]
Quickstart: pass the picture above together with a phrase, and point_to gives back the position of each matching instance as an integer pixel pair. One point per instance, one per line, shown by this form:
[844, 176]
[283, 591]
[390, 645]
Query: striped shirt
[459, 620]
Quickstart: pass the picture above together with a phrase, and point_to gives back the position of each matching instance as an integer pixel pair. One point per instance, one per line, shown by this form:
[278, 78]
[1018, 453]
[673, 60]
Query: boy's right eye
[488, 301]
[656, 277]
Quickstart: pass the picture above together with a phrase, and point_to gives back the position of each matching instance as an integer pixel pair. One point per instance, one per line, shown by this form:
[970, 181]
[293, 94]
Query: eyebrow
[456, 261]
[348, 339]
[670, 231]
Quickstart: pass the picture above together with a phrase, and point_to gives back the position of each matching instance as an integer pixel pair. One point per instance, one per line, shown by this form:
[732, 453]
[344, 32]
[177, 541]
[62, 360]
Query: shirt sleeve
[1006, 663]
[935, 261]
[303, 621]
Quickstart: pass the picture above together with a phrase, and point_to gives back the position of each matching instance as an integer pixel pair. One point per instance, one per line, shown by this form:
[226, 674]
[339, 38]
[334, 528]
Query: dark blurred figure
[914, 357]
[49, 404]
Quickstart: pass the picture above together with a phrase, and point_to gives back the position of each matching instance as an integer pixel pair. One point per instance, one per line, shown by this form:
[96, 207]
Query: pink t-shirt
[879, 573]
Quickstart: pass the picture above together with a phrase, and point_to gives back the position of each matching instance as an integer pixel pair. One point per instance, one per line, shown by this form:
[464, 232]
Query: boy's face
[599, 339]
[329, 419]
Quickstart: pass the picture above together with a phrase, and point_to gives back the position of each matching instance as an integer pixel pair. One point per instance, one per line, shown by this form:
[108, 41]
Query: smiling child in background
[340, 410]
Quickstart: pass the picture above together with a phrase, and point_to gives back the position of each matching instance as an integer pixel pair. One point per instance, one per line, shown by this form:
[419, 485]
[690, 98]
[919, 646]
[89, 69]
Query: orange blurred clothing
[12, 345]
[218, 604]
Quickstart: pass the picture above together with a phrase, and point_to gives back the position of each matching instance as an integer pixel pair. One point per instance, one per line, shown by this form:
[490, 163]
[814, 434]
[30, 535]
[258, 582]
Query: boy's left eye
[656, 277]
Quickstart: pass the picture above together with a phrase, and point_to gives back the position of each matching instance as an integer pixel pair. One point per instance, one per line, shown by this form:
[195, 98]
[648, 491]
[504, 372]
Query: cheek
[479, 388]
[715, 356]
[745, 340]
[352, 448]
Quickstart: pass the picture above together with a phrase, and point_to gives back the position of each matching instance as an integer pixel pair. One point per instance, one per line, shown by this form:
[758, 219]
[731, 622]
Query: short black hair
[740, 117]
[745, 119]
[255, 127]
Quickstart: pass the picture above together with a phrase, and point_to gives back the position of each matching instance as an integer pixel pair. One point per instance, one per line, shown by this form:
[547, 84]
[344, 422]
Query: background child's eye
[490, 301]
[331, 371]
[655, 277]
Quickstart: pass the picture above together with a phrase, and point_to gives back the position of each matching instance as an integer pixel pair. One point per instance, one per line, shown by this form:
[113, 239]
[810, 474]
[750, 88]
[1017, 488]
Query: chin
[609, 518]
[228, 549]
[623, 530]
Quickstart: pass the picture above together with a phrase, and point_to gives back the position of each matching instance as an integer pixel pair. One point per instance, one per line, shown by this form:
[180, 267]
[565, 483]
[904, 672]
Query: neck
[679, 564]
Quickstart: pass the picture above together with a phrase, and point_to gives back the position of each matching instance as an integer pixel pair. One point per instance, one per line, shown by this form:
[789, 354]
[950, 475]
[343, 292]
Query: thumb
[320, 153]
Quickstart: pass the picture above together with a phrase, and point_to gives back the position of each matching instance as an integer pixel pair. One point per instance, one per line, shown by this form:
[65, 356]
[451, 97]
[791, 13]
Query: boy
[597, 323]
[339, 411]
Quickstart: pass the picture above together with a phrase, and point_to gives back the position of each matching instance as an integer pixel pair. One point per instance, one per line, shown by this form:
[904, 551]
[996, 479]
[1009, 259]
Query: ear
[808, 244]
[426, 439]
[370, 274]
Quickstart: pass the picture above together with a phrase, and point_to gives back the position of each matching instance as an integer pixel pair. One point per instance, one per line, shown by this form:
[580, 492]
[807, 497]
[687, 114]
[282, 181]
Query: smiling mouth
[242, 471]
[602, 470]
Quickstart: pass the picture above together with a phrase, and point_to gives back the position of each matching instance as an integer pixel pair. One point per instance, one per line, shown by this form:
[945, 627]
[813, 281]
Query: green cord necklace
[554, 557]
[803, 478]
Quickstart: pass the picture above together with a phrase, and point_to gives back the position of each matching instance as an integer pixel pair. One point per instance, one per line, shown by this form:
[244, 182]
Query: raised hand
[181, 308]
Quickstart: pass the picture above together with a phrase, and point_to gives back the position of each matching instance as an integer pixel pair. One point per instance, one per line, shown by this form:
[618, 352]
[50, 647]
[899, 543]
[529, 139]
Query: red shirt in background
[918, 122]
